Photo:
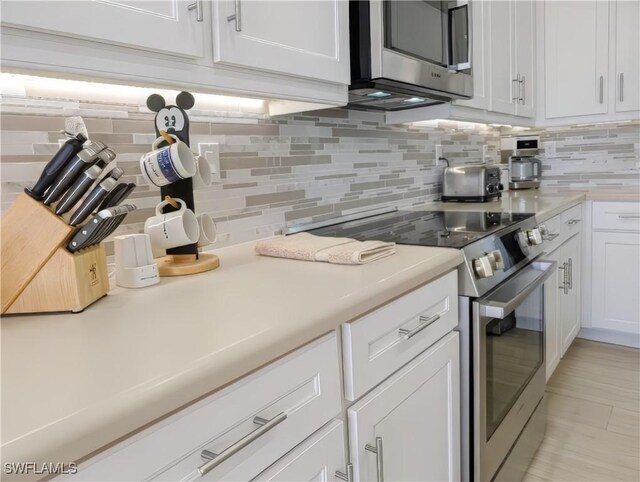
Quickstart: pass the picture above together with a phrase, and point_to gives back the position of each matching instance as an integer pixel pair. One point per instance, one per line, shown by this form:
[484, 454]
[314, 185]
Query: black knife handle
[77, 190]
[55, 166]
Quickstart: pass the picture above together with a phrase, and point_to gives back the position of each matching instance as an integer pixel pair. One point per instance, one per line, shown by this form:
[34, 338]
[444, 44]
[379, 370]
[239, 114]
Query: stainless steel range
[501, 298]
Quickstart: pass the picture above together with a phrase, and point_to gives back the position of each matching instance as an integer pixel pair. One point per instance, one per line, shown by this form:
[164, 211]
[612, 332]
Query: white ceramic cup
[174, 229]
[168, 164]
[202, 177]
[208, 232]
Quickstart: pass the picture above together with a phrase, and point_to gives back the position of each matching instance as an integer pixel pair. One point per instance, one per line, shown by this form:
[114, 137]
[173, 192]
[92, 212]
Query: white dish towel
[309, 247]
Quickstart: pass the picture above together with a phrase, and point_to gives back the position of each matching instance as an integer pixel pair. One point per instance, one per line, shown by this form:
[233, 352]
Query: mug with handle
[208, 234]
[174, 229]
[168, 164]
[202, 178]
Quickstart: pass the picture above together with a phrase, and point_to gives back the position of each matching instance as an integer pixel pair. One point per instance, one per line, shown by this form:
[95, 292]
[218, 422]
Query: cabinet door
[570, 302]
[627, 56]
[503, 81]
[158, 25]
[615, 281]
[576, 42]
[306, 39]
[524, 45]
[551, 316]
[414, 417]
[317, 458]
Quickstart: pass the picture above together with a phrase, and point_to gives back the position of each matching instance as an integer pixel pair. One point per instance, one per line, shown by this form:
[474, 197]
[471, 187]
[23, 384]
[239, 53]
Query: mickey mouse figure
[172, 118]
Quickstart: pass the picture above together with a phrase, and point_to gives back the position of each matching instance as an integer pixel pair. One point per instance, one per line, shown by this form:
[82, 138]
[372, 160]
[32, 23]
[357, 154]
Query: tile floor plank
[593, 430]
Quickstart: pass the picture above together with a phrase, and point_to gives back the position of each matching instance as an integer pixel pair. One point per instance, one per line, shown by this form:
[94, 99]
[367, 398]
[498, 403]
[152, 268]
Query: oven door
[422, 43]
[508, 326]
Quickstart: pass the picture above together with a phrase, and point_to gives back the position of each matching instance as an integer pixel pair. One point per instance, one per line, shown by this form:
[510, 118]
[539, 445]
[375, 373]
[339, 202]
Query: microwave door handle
[501, 309]
[454, 5]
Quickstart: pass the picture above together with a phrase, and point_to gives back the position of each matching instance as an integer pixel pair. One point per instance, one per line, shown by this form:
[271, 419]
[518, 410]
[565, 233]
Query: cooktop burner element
[450, 229]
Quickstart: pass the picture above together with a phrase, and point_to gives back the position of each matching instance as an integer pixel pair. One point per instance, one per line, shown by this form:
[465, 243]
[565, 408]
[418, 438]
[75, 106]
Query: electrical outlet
[211, 152]
[550, 148]
[438, 154]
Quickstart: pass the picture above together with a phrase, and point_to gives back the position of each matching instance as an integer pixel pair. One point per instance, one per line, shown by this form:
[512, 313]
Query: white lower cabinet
[408, 428]
[553, 346]
[615, 285]
[569, 313]
[316, 459]
[244, 428]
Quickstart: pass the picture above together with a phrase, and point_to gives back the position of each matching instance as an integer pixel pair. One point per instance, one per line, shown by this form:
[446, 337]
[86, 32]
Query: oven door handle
[494, 305]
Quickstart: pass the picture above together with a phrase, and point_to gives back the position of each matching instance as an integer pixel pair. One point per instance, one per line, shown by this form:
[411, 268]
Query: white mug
[174, 229]
[208, 232]
[168, 164]
[202, 177]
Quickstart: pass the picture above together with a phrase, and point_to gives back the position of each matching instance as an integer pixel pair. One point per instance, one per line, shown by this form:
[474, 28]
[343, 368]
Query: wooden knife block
[38, 273]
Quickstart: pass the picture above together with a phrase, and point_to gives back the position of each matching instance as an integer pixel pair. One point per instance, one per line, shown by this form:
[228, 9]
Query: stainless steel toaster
[474, 183]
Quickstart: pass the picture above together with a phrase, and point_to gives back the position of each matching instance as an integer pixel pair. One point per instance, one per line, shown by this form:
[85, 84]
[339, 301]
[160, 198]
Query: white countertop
[72, 383]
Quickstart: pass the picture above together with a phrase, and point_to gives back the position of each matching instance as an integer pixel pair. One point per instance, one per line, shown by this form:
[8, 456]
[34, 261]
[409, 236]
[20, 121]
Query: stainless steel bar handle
[237, 16]
[213, 459]
[522, 90]
[346, 476]
[574, 221]
[516, 90]
[629, 216]
[377, 449]
[424, 322]
[564, 286]
[570, 275]
[551, 237]
[197, 5]
[602, 89]
[621, 87]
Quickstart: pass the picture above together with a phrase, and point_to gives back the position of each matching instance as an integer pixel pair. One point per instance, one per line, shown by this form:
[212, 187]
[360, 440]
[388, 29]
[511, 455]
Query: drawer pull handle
[574, 221]
[377, 449]
[629, 216]
[552, 236]
[346, 476]
[570, 275]
[197, 6]
[424, 322]
[565, 283]
[213, 459]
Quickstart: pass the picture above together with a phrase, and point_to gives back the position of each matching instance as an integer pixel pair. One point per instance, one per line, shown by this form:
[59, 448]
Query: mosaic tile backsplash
[273, 171]
[584, 156]
[278, 171]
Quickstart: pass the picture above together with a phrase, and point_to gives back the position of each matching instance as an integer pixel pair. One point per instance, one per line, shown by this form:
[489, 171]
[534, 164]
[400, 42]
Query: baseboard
[610, 336]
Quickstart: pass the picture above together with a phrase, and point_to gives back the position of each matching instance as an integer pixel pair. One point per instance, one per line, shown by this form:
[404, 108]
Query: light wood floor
[593, 430]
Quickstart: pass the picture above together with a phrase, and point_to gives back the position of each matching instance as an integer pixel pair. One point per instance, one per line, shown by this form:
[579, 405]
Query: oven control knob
[534, 237]
[495, 260]
[482, 267]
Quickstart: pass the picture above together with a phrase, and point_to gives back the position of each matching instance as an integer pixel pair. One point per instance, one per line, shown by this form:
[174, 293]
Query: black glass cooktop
[450, 229]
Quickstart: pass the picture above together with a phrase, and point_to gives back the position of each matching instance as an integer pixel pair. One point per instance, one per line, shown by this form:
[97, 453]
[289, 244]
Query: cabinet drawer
[378, 344]
[555, 236]
[317, 458]
[618, 216]
[571, 221]
[301, 392]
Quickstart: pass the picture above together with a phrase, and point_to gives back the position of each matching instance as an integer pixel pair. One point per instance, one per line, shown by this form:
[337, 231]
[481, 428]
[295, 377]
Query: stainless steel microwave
[409, 53]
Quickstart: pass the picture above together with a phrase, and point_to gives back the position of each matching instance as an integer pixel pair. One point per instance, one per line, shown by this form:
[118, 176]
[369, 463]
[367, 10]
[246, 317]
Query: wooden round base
[183, 264]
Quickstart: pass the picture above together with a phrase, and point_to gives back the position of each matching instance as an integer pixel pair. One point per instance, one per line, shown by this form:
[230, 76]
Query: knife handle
[95, 197]
[78, 189]
[55, 166]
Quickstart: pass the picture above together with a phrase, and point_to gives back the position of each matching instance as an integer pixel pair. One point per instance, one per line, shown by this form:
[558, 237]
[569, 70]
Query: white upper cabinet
[627, 57]
[576, 43]
[512, 41]
[162, 25]
[525, 41]
[303, 38]
[502, 65]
